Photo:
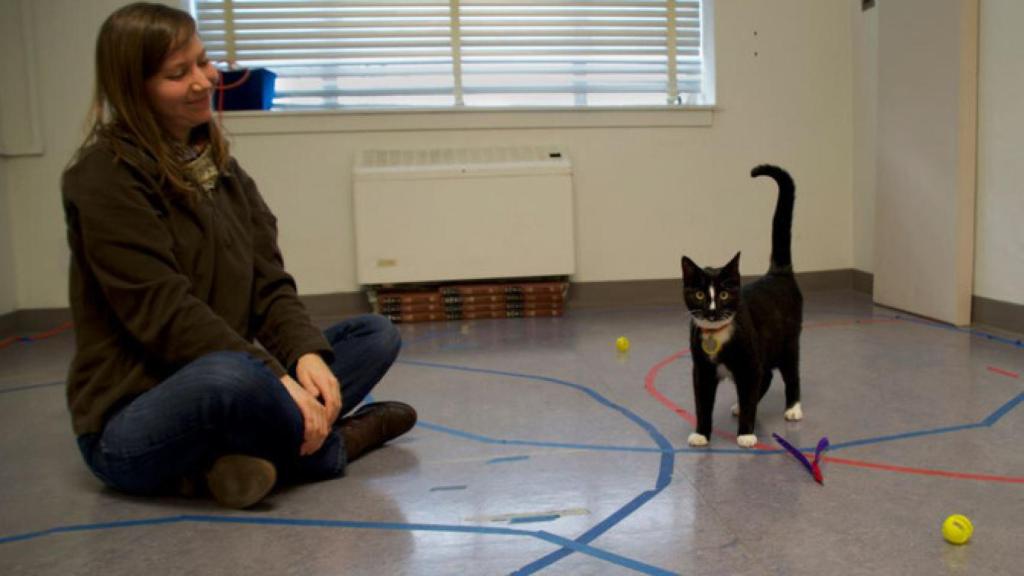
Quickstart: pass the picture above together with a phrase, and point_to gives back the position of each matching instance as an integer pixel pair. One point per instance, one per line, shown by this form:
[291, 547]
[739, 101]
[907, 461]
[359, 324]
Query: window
[468, 53]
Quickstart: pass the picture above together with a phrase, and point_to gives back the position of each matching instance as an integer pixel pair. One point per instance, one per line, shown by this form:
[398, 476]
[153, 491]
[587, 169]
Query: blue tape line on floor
[665, 448]
[1004, 410]
[901, 436]
[579, 545]
[604, 555]
[448, 488]
[665, 467]
[352, 524]
[987, 422]
[538, 518]
[664, 477]
[537, 443]
[30, 387]
[507, 459]
[90, 527]
[976, 333]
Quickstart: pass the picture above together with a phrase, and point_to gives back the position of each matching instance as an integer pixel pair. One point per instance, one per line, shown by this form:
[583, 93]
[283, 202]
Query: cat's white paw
[795, 414]
[735, 409]
[747, 440]
[697, 440]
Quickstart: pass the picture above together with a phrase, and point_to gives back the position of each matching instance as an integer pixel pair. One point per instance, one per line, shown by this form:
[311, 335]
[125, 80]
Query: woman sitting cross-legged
[195, 359]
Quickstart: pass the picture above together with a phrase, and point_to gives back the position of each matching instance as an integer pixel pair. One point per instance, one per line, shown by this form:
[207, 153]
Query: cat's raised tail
[782, 222]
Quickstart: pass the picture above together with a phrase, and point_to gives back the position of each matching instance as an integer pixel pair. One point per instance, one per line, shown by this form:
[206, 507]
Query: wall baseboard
[995, 313]
[863, 282]
[25, 322]
[624, 293]
[8, 324]
[666, 292]
[336, 304]
[1003, 315]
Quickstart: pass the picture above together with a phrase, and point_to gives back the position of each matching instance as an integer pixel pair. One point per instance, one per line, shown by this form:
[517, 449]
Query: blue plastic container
[256, 93]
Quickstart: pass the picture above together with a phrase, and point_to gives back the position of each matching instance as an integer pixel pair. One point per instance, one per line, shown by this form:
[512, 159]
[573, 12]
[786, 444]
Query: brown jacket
[157, 283]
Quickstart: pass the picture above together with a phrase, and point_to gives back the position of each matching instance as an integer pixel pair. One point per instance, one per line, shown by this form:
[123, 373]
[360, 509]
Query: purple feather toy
[813, 467]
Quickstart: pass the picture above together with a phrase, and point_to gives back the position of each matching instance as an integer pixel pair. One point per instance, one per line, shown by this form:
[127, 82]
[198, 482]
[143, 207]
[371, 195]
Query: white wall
[999, 256]
[18, 134]
[644, 195]
[865, 132]
[8, 295]
[64, 36]
[999, 244]
[19, 122]
[927, 154]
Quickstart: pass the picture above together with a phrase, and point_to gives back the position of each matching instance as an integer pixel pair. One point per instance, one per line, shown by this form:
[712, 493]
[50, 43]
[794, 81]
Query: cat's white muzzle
[712, 325]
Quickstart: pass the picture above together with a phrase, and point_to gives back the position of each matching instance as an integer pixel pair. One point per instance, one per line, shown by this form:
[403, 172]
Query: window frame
[604, 114]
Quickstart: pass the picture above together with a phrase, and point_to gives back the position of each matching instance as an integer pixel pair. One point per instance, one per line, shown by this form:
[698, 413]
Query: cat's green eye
[723, 296]
[699, 295]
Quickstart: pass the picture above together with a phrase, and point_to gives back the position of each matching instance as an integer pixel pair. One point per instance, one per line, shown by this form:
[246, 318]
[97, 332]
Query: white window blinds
[468, 53]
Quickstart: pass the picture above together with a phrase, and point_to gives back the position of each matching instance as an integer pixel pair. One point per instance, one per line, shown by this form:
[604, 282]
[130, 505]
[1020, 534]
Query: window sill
[302, 122]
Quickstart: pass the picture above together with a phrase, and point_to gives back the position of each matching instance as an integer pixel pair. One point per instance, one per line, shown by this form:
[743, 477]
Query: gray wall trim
[664, 292]
[627, 292]
[822, 280]
[336, 304]
[25, 322]
[8, 324]
[863, 282]
[996, 313]
[1004, 315]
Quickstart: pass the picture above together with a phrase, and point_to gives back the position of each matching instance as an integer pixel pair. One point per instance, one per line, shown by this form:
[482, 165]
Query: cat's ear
[690, 269]
[733, 267]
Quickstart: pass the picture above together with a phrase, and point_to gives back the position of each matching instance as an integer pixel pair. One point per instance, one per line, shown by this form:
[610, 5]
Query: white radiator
[462, 214]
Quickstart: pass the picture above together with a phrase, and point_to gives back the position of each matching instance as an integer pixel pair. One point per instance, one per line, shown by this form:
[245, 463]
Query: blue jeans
[230, 403]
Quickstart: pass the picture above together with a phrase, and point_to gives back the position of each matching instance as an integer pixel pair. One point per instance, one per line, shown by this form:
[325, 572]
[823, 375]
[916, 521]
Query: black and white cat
[744, 333]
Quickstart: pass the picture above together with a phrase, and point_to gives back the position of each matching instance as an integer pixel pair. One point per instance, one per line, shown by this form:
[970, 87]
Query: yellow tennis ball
[957, 529]
[622, 343]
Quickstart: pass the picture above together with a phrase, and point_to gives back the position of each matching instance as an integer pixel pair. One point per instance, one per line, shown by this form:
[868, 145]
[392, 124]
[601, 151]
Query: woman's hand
[316, 377]
[314, 416]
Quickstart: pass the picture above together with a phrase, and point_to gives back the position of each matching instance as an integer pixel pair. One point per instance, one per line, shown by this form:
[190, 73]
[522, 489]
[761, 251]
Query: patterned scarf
[203, 171]
[199, 167]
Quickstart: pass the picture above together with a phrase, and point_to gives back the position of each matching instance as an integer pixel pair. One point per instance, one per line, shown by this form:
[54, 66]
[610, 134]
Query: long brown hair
[133, 43]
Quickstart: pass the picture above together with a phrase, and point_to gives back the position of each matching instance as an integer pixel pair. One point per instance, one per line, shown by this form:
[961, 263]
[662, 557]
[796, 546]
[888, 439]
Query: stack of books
[472, 301]
[419, 306]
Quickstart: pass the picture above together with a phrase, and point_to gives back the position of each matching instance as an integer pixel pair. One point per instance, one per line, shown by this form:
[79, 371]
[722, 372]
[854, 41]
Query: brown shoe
[238, 481]
[373, 425]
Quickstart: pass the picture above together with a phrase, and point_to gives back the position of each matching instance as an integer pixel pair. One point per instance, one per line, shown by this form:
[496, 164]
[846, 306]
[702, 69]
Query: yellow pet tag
[710, 345]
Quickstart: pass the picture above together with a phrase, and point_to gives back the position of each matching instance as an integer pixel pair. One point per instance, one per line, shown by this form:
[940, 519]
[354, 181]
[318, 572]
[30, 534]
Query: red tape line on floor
[1002, 372]
[652, 389]
[40, 336]
[925, 471]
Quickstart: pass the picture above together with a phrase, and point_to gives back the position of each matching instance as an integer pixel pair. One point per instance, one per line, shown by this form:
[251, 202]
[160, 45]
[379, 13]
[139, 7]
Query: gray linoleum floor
[542, 449]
